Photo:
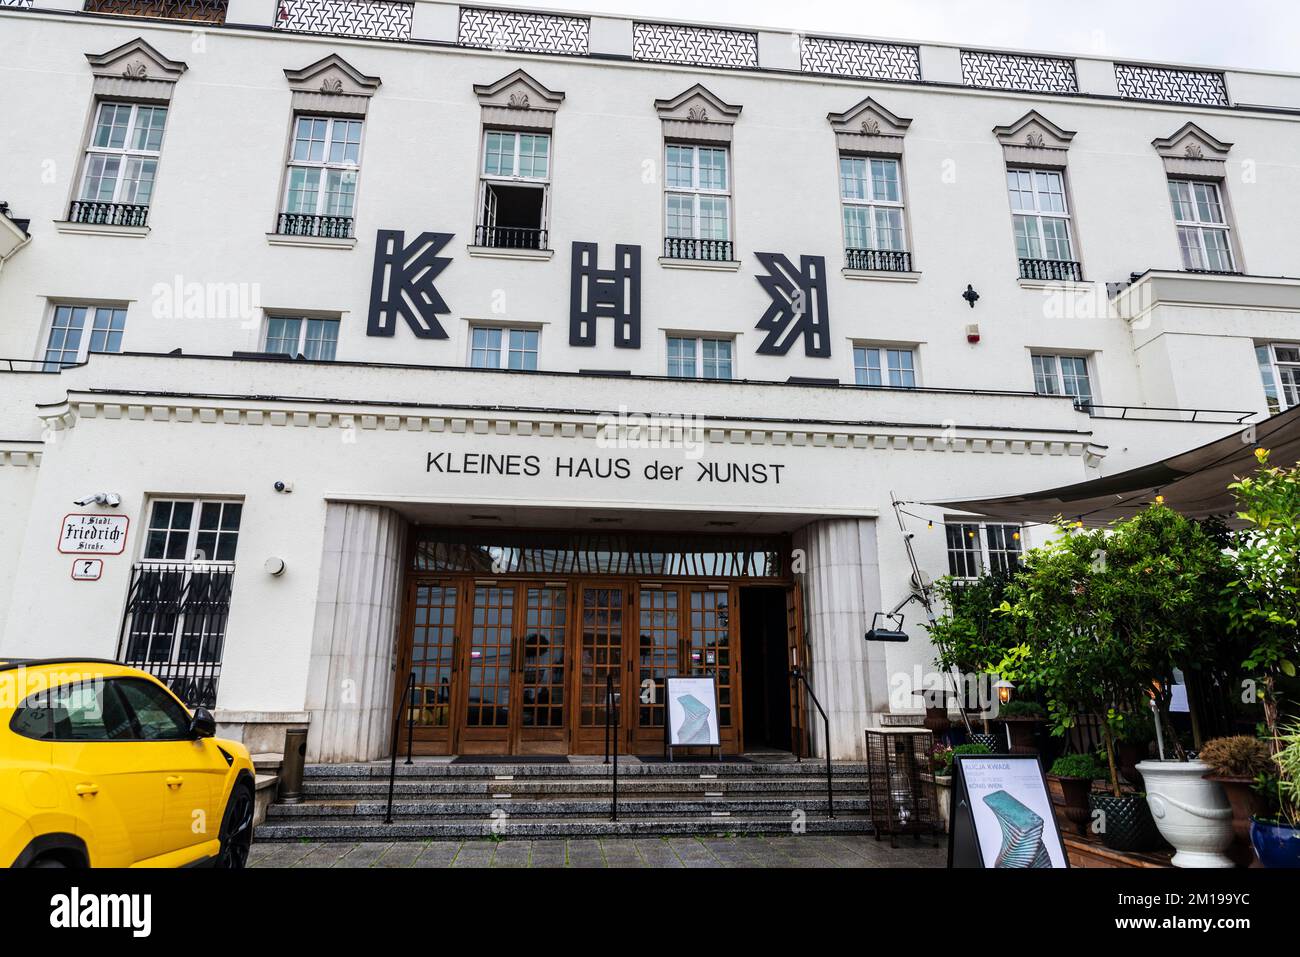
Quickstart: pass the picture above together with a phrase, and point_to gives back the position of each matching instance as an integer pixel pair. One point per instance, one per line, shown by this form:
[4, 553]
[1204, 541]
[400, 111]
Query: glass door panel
[657, 656]
[600, 646]
[488, 666]
[541, 669]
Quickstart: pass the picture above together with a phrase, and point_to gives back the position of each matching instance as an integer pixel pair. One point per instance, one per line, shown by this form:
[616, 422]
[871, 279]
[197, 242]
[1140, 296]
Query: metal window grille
[174, 625]
[900, 782]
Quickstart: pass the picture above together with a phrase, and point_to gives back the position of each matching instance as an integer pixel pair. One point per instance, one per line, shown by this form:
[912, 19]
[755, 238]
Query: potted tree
[1074, 774]
[1235, 763]
[1087, 652]
[1276, 834]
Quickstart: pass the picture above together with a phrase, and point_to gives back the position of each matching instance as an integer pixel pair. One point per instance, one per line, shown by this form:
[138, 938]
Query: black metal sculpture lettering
[402, 284]
[613, 293]
[798, 307]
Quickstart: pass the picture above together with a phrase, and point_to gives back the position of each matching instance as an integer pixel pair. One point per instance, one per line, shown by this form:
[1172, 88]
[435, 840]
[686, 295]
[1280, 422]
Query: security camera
[111, 499]
[284, 486]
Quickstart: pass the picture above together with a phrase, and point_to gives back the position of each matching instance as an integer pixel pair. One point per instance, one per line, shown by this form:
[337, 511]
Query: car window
[81, 711]
[158, 716]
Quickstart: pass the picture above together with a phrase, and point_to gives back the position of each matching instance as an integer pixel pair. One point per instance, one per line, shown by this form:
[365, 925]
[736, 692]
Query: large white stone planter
[1192, 813]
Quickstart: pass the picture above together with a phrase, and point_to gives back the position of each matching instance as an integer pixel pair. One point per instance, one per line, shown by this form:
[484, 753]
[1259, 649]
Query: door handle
[86, 790]
[174, 780]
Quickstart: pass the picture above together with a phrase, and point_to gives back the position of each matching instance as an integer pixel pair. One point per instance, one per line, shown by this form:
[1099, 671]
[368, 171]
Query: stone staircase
[436, 799]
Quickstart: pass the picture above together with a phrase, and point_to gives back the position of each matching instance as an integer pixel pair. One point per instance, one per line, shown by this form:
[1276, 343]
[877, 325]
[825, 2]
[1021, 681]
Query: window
[493, 347]
[1062, 375]
[976, 547]
[1040, 218]
[1202, 226]
[80, 711]
[76, 331]
[1279, 367]
[158, 716]
[699, 358]
[185, 530]
[121, 163]
[880, 365]
[321, 185]
[297, 336]
[697, 198]
[871, 197]
[515, 184]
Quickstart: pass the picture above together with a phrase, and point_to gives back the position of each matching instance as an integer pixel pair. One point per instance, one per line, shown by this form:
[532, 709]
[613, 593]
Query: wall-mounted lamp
[1004, 688]
[886, 634]
[274, 566]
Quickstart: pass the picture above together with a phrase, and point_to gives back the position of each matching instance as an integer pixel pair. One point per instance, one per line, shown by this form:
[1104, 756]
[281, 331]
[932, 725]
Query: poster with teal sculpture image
[1010, 812]
[692, 712]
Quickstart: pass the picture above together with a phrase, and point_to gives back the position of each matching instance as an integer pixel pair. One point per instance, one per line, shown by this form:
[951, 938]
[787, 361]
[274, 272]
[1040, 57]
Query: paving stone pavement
[808, 850]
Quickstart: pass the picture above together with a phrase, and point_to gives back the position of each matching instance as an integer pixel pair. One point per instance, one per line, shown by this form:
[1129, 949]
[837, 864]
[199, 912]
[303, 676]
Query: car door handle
[86, 790]
[174, 780]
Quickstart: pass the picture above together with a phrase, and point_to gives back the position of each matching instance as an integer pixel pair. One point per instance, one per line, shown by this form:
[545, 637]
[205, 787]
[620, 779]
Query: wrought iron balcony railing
[1055, 270]
[707, 250]
[323, 227]
[882, 260]
[108, 214]
[203, 11]
[510, 237]
[174, 625]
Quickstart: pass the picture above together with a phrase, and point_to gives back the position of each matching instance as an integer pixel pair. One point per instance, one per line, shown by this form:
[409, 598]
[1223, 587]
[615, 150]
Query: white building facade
[506, 358]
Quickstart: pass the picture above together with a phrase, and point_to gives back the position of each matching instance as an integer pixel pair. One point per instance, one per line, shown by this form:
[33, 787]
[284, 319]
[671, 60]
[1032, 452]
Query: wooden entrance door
[600, 626]
[685, 630]
[432, 610]
[515, 659]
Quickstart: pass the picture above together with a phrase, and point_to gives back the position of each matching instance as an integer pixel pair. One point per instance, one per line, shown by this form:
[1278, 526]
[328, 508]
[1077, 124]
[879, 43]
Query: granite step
[426, 787]
[627, 768]
[670, 805]
[419, 829]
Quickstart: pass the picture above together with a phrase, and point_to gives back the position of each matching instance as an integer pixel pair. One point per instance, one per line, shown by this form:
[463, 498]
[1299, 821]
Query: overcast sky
[1259, 34]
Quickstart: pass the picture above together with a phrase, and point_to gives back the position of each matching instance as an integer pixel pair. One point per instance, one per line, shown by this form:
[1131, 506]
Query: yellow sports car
[102, 766]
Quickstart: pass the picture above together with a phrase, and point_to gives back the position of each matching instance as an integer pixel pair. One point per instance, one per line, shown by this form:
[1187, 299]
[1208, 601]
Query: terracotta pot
[1245, 805]
[1024, 734]
[1127, 756]
[1074, 800]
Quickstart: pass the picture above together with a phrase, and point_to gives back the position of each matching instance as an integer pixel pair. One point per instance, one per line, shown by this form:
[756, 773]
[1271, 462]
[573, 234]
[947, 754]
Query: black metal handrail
[798, 676]
[1136, 413]
[509, 237]
[879, 260]
[108, 214]
[397, 737]
[611, 733]
[322, 227]
[1054, 270]
[705, 250]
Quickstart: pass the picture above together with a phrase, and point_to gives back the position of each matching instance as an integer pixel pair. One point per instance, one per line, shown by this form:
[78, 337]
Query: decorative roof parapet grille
[1018, 71]
[203, 11]
[1203, 87]
[523, 32]
[24, 4]
[695, 46]
[375, 19]
[862, 58]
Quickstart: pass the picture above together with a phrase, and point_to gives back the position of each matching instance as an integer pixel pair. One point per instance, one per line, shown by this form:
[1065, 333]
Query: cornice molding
[269, 414]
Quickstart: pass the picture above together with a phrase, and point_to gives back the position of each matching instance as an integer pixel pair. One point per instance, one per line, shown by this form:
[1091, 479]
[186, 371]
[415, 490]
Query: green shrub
[1078, 766]
[947, 756]
[1240, 756]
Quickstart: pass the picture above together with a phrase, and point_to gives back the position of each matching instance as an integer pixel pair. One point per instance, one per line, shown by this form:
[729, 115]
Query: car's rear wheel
[237, 827]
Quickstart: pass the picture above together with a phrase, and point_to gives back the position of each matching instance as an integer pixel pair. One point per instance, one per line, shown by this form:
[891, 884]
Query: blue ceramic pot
[1276, 844]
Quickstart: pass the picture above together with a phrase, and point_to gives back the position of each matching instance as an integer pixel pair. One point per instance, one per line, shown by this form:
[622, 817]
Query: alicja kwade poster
[1004, 804]
[692, 712]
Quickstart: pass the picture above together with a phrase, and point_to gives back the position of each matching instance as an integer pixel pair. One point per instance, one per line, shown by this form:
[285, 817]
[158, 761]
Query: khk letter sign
[93, 534]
